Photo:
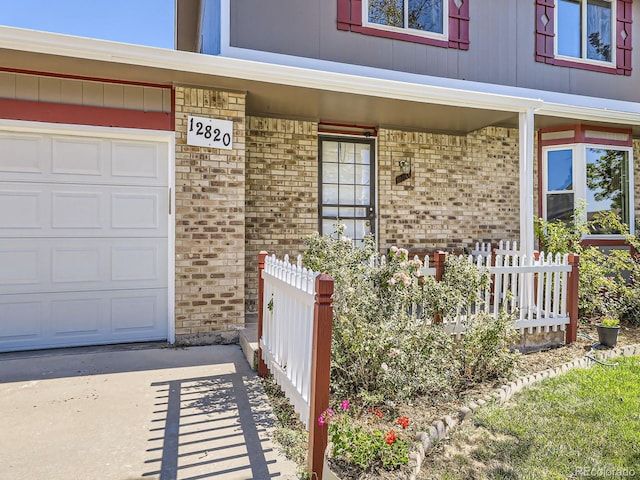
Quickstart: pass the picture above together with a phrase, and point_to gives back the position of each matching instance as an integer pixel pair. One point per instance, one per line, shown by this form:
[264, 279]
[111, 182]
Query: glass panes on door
[346, 186]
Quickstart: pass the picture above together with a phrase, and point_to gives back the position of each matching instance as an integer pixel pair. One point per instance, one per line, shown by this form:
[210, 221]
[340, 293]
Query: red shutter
[459, 24]
[356, 12]
[344, 14]
[544, 30]
[623, 37]
[349, 13]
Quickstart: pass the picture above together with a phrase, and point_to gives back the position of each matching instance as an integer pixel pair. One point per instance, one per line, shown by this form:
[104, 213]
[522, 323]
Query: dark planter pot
[608, 336]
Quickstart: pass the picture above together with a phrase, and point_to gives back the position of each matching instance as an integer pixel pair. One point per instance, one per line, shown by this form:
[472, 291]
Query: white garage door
[83, 240]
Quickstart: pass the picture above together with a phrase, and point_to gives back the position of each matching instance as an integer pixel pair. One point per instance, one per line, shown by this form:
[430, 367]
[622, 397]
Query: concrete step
[249, 344]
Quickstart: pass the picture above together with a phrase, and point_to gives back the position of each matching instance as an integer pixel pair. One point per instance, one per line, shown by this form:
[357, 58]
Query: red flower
[377, 412]
[390, 437]
[403, 422]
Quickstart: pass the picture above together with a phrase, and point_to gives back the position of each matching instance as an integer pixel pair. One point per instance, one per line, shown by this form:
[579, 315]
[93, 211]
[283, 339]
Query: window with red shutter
[587, 34]
[443, 23]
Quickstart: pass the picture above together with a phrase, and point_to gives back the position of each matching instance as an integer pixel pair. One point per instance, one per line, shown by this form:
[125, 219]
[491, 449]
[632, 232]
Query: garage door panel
[76, 265]
[91, 318]
[22, 154]
[137, 160]
[136, 210]
[82, 264]
[48, 210]
[75, 159]
[131, 314]
[77, 156]
[131, 263]
[20, 320]
[76, 210]
[75, 316]
[21, 266]
[20, 210]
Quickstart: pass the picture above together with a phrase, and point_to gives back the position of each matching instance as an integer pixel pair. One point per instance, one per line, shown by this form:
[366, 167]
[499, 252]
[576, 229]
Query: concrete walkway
[144, 412]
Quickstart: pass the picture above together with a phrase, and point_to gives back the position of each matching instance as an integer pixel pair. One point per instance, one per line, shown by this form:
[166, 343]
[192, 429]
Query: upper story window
[418, 17]
[585, 29]
[443, 23]
[586, 166]
[587, 34]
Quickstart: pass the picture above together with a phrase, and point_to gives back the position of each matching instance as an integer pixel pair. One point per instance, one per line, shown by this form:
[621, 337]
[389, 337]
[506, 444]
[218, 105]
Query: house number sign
[209, 132]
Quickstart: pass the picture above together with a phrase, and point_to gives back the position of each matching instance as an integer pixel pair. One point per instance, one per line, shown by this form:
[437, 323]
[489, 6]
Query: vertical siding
[82, 92]
[49, 89]
[71, 92]
[114, 96]
[502, 46]
[27, 88]
[7, 85]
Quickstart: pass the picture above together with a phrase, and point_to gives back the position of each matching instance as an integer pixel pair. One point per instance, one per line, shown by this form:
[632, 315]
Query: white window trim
[579, 162]
[409, 31]
[583, 41]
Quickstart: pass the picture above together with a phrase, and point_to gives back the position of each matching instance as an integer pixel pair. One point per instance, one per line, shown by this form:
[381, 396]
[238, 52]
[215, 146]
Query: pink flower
[323, 419]
[394, 249]
[384, 367]
[394, 352]
[392, 281]
[344, 405]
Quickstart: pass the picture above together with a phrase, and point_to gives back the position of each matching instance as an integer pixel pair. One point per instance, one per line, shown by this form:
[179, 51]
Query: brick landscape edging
[440, 429]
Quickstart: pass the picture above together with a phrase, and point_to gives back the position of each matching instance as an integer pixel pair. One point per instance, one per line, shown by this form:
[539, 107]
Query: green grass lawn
[583, 425]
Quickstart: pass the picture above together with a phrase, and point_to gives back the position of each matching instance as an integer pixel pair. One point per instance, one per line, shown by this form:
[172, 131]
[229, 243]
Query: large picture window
[596, 175]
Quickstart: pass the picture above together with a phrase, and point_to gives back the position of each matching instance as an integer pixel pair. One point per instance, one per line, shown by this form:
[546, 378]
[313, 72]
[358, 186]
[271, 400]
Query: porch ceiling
[273, 99]
[270, 99]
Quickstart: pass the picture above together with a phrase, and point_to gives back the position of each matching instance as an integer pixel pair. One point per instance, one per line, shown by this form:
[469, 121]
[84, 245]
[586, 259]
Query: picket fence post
[320, 372]
[262, 367]
[571, 335]
[438, 262]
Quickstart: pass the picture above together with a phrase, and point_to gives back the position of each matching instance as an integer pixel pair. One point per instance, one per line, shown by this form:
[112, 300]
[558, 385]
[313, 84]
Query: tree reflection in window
[607, 175]
[424, 15]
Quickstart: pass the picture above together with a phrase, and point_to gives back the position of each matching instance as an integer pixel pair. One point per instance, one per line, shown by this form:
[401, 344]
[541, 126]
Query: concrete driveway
[139, 412]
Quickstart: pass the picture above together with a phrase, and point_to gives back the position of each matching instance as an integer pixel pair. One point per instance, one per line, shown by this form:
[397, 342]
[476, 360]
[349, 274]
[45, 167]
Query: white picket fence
[534, 290]
[504, 248]
[287, 329]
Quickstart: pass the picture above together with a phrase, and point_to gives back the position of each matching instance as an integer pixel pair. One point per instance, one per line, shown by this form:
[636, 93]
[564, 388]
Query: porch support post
[526, 122]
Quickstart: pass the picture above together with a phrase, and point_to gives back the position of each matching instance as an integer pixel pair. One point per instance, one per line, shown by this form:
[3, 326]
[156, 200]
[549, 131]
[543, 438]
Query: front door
[347, 186]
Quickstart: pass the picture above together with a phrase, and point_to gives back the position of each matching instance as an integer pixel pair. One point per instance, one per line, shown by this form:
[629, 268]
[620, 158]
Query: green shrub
[484, 352]
[607, 283]
[384, 347]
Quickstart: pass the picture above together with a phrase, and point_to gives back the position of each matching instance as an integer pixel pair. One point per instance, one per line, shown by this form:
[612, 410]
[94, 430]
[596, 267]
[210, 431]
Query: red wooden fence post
[320, 372]
[438, 262]
[262, 367]
[571, 335]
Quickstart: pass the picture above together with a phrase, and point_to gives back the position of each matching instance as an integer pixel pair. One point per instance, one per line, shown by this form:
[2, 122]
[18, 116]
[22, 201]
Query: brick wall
[463, 189]
[210, 220]
[282, 191]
